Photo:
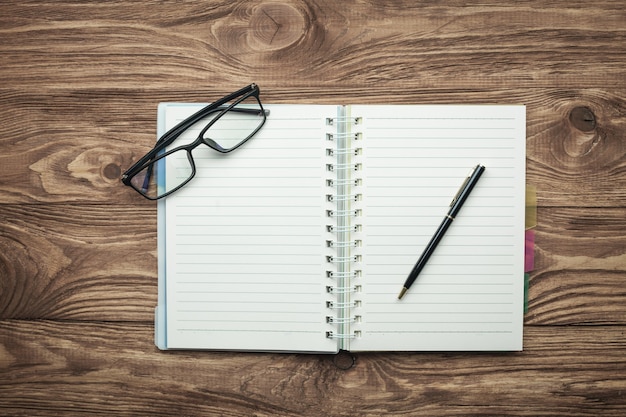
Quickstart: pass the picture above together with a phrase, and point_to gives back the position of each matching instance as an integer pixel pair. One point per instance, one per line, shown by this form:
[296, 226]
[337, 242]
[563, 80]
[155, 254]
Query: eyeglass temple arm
[148, 176]
[220, 105]
[177, 130]
[215, 110]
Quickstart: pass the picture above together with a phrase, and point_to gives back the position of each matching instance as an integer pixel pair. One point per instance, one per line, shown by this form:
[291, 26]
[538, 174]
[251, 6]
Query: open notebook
[302, 239]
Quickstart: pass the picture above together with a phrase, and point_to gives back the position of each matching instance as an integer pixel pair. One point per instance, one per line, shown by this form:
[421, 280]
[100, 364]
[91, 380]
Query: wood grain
[54, 267]
[80, 86]
[86, 262]
[90, 137]
[96, 368]
[304, 43]
[580, 267]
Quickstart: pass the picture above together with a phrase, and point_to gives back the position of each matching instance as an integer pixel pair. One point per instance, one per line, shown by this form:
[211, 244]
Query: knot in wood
[583, 119]
[344, 360]
[275, 26]
[112, 171]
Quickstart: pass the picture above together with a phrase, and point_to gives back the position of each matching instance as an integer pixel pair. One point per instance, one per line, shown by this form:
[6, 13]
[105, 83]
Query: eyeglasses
[228, 123]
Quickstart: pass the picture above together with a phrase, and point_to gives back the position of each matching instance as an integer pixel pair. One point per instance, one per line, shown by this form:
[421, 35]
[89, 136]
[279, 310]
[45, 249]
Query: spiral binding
[342, 259]
[354, 136]
[333, 335]
[343, 213]
[342, 183]
[351, 167]
[355, 120]
[333, 152]
[334, 305]
[343, 290]
[353, 319]
[351, 197]
[351, 243]
[343, 229]
[345, 274]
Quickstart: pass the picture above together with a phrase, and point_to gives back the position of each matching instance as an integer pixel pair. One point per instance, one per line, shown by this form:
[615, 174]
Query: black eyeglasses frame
[223, 106]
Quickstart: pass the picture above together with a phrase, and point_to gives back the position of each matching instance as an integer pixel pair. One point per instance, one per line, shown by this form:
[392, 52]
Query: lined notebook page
[470, 294]
[245, 240]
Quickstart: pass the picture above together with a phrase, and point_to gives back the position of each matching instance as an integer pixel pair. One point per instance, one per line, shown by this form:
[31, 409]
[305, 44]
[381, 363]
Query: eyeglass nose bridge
[212, 144]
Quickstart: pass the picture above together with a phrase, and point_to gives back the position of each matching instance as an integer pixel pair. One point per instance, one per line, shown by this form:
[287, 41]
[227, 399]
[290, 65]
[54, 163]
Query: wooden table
[80, 85]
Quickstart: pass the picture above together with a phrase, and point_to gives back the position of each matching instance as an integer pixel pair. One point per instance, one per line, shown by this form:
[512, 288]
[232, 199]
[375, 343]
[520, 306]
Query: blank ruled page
[470, 294]
[244, 240]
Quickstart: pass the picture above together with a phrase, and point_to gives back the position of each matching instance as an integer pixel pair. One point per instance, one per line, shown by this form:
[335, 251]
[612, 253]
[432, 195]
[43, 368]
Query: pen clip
[456, 197]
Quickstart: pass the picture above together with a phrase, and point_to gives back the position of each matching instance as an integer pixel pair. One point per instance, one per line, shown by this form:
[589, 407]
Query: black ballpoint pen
[455, 206]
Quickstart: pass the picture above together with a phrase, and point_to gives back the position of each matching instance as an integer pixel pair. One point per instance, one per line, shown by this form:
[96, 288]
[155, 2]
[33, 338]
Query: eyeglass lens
[167, 173]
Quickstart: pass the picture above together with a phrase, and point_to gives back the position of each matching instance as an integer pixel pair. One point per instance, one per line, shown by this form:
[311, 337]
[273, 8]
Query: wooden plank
[81, 81]
[580, 268]
[74, 368]
[74, 145]
[323, 42]
[78, 262]
[98, 262]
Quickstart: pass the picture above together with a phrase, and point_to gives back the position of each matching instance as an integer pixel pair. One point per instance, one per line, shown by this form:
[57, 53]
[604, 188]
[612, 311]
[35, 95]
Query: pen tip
[402, 293]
